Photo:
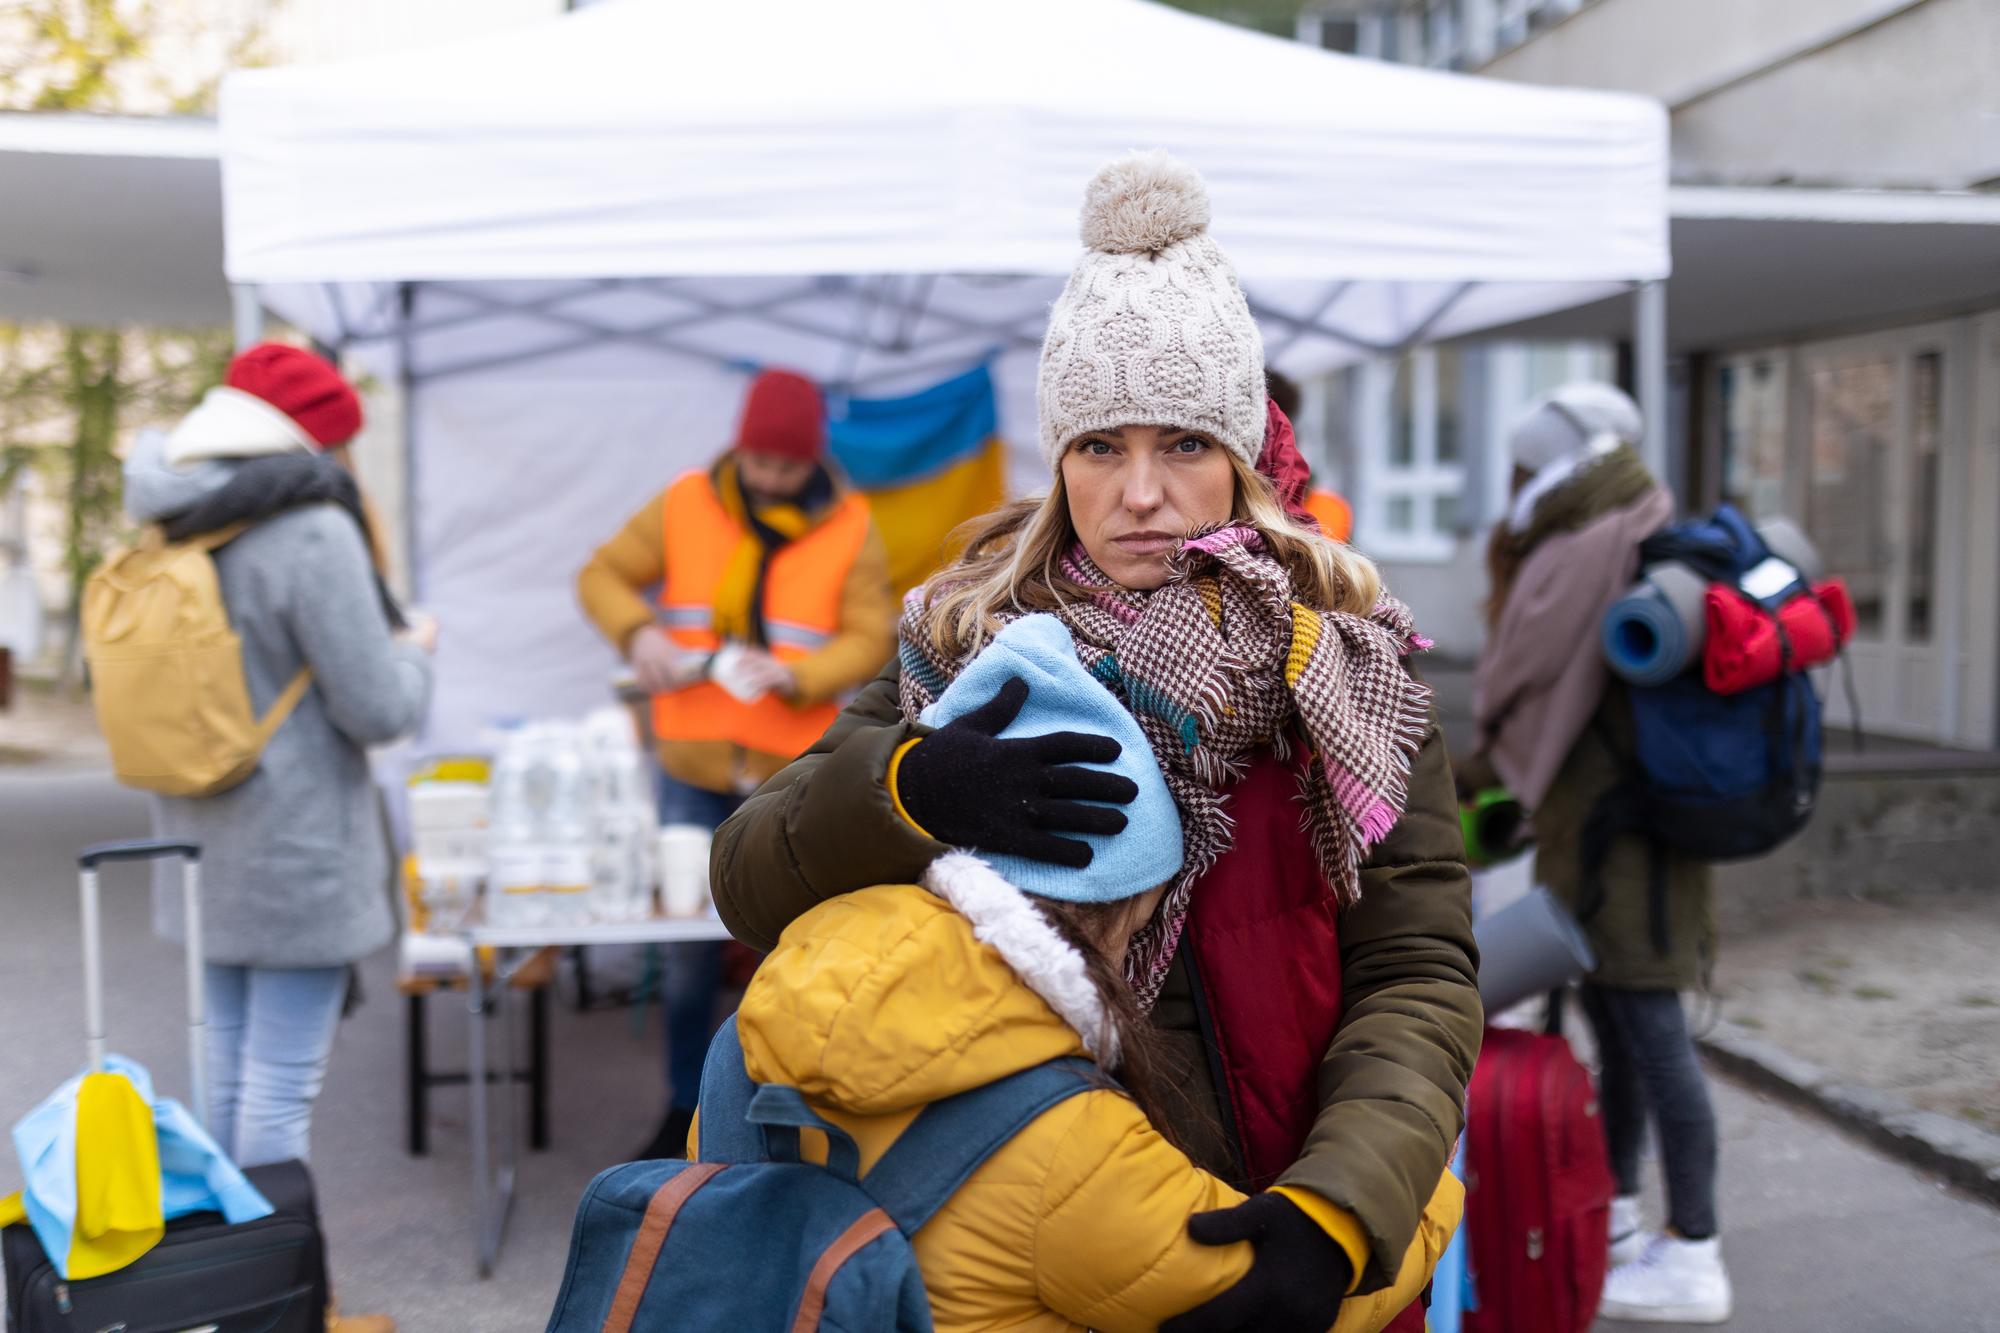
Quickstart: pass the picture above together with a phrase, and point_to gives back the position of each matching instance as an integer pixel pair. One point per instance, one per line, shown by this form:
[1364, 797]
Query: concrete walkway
[1824, 1235]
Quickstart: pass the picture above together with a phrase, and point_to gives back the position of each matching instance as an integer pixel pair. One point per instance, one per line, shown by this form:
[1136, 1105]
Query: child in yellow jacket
[878, 1003]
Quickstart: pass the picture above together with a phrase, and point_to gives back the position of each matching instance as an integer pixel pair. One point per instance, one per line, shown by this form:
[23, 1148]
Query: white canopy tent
[570, 239]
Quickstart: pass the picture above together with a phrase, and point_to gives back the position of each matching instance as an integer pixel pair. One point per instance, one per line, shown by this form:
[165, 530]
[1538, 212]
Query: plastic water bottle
[566, 827]
[622, 817]
[514, 869]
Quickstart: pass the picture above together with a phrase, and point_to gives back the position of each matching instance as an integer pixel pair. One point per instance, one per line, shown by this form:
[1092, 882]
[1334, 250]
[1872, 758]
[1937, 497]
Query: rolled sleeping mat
[1788, 541]
[1528, 948]
[1492, 826]
[1656, 631]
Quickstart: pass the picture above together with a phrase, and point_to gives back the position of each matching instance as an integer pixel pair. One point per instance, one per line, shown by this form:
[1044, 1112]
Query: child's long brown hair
[1143, 1065]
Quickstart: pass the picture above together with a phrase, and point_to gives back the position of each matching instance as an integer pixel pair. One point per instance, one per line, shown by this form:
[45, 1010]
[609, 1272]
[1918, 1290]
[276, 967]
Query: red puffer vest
[1265, 938]
[1264, 934]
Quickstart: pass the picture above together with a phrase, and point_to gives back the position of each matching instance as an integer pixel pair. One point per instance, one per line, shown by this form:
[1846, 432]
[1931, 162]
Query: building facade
[1835, 315]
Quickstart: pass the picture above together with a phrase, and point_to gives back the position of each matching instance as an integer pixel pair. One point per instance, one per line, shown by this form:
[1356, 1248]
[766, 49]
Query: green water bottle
[1493, 824]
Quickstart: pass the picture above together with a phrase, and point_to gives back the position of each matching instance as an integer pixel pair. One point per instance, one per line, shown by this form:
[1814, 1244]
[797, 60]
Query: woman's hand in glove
[1295, 1284]
[966, 787]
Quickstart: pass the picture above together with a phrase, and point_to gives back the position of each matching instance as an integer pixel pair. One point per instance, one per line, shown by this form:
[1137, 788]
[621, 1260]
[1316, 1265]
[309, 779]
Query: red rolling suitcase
[1538, 1188]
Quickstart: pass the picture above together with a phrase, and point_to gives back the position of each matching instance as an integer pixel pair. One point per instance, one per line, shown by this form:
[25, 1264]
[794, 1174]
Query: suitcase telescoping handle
[147, 849]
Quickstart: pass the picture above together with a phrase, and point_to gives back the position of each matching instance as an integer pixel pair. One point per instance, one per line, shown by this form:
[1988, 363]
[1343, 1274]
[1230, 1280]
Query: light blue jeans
[270, 1033]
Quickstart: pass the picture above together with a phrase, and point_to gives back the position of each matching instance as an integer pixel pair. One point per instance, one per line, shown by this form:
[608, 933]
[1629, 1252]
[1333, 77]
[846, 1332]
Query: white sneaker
[1674, 1282]
[1628, 1237]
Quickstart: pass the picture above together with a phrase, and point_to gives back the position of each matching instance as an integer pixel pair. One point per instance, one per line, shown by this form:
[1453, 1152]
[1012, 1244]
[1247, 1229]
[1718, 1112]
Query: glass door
[1873, 500]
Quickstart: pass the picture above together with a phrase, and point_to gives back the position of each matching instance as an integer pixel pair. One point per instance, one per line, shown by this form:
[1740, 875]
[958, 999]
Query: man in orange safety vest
[773, 601]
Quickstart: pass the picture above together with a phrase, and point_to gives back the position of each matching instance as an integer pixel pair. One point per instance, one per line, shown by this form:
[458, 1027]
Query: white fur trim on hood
[230, 423]
[1003, 918]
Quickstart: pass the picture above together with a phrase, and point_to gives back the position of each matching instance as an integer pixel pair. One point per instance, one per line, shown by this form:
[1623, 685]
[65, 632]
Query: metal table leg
[509, 1156]
[475, 1064]
[492, 1190]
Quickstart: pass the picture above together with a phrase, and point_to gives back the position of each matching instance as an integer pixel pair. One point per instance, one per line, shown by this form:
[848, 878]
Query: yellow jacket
[612, 589]
[877, 1003]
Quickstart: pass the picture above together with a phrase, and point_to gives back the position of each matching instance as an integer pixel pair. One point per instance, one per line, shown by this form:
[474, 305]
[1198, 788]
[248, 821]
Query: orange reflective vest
[1336, 518]
[802, 597]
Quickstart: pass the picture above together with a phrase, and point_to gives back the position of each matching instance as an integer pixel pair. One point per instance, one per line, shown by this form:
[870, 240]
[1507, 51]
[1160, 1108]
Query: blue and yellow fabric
[926, 463]
[1451, 1284]
[107, 1163]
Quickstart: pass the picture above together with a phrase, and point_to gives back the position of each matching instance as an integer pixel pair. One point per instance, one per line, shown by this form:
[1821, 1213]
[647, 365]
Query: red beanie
[302, 386]
[783, 415]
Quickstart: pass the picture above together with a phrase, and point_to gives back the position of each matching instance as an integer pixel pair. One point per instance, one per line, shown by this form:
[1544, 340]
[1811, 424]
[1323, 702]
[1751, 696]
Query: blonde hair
[1012, 563]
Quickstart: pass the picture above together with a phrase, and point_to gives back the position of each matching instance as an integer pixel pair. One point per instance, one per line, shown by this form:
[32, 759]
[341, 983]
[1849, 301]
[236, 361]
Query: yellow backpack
[167, 670]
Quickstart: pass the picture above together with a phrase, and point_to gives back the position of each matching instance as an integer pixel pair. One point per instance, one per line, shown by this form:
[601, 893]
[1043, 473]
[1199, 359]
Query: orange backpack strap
[212, 542]
[660, 1214]
[281, 707]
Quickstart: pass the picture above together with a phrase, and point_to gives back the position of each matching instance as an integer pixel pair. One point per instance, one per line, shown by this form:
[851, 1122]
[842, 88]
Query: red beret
[302, 386]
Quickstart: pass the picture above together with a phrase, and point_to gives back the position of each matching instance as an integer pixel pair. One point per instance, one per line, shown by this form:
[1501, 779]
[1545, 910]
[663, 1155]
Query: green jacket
[1620, 930]
[1392, 1086]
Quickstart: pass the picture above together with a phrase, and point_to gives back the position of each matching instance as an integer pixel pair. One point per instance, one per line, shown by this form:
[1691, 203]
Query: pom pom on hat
[1143, 203]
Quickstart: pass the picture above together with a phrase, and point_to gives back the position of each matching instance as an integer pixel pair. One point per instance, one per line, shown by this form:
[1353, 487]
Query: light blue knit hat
[1064, 696]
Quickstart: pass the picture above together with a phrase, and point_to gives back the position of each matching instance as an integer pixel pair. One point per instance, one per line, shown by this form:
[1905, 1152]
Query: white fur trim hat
[1152, 327]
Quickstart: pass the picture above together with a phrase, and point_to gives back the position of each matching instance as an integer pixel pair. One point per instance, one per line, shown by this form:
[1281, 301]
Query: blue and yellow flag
[107, 1163]
[926, 463]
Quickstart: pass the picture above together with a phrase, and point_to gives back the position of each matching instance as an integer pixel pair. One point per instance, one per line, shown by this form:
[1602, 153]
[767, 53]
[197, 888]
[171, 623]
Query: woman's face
[1136, 491]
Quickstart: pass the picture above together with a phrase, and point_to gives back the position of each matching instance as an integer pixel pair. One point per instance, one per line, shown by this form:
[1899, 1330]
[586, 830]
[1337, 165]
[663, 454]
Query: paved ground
[1824, 1235]
[1900, 996]
[48, 729]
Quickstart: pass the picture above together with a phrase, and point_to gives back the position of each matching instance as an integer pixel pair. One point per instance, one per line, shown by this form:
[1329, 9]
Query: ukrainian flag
[926, 463]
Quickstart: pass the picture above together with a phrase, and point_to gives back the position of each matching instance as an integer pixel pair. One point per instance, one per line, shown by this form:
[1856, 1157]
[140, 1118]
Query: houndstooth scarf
[1219, 661]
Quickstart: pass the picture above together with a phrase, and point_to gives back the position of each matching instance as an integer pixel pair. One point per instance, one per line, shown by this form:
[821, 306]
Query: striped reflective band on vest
[686, 617]
[787, 634]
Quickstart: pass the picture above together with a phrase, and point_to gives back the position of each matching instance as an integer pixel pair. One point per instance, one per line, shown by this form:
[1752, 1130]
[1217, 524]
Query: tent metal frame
[902, 302]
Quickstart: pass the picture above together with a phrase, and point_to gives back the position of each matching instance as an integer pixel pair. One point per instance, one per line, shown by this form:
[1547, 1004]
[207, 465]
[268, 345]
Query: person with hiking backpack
[999, 1116]
[320, 664]
[1556, 729]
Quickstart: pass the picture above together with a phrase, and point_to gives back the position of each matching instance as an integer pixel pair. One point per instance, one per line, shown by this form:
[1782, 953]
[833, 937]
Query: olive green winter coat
[1620, 930]
[1392, 1086]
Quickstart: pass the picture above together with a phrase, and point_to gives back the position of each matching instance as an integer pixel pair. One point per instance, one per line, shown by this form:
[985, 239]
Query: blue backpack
[1715, 777]
[752, 1237]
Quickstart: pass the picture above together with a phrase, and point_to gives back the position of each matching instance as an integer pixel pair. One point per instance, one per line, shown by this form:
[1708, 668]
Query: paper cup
[684, 869]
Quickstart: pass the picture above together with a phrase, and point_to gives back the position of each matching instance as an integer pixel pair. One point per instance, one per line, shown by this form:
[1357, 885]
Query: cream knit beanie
[1151, 328]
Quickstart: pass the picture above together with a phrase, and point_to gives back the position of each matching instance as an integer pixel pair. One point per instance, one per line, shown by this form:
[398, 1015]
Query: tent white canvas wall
[570, 239]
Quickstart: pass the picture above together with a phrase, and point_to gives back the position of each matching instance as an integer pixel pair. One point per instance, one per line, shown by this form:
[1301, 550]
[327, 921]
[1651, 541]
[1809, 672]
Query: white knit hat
[1582, 416]
[1152, 328]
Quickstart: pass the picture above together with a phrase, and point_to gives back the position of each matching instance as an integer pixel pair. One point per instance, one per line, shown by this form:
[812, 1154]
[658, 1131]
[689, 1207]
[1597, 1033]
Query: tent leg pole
[1649, 352]
[406, 309]
[246, 315]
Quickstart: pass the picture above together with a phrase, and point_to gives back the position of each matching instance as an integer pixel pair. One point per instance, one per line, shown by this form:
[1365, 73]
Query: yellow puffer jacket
[877, 1003]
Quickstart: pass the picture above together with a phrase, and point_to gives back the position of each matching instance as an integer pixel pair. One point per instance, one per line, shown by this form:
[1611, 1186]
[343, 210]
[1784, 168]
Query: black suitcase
[205, 1276]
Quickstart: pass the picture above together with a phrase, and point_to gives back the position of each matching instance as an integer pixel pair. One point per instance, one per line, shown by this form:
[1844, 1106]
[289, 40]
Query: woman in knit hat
[1310, 970]
[879, 1003]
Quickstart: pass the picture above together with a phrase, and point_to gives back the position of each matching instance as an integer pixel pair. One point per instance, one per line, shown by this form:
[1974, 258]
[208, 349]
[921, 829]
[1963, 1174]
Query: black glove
[1295, 1284]
[970, 789]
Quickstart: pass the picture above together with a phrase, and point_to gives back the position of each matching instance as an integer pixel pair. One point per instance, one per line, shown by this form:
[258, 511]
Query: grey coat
[295, 862]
